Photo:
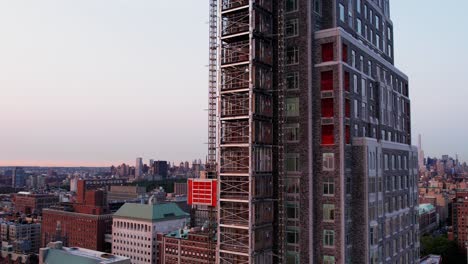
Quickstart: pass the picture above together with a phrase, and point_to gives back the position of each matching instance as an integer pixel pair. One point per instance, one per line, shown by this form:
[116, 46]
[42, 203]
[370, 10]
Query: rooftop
[56, 254]
[424, 208]
[152, 212]
[431, 259]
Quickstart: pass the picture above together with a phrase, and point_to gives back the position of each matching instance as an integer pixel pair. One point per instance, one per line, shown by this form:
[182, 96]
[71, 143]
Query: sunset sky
[101, 82]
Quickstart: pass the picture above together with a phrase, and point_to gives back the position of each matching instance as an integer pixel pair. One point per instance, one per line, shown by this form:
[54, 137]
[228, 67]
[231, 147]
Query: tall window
[292, 162]
[342, 13]
[292, 80]
[292, 211]
[328, 238]
[359, 26]
[291, 132]
[328, 161]
[329, 186]
[329, 260]
[353, 58]
[358, 6]
[355, 83]
[328, 212]
[292, 106]
[292, 55]
[318, 7]
[363, 87]
[292, 27]
[291, 5]
[292, 236]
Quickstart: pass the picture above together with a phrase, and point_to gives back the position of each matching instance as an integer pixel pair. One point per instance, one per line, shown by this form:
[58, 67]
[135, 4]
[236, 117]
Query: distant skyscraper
[18, 179]
[139, 168]
[420, 153]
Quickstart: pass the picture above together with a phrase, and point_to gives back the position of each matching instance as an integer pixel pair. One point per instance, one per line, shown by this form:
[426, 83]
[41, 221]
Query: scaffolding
[245, 124]
[281, 252]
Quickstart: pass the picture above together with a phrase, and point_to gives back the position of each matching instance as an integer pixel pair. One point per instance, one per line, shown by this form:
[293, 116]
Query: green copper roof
[424, 208]
[58, 256]
[155, 212]
[80, 256]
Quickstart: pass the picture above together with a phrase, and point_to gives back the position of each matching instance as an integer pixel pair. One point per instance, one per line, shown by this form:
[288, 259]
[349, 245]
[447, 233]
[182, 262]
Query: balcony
[235, 78]
[232, 4]
[234, 105]
[236, 52]
[235, 23]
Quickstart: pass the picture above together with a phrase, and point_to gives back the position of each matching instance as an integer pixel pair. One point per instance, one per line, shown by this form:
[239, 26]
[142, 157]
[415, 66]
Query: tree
[440, 245]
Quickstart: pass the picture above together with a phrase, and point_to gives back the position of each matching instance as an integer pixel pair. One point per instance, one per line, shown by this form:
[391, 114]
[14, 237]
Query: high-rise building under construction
[310, 134]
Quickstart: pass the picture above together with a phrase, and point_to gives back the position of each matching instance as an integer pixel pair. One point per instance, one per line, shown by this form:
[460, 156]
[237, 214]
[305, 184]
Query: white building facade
[135, 228]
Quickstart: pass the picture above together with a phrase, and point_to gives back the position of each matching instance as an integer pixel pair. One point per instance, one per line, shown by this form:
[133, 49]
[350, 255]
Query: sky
[96, 83]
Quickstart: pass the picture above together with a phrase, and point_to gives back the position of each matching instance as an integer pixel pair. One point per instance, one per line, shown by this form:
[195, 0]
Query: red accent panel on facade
[202, 192]
[345, 53]
[328, 136]
[327, 52]
[327, 81]
[327, 107]
[346, 81]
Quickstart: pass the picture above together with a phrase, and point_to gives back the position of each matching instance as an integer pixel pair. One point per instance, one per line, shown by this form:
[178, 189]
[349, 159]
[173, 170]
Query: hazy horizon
[103, 82]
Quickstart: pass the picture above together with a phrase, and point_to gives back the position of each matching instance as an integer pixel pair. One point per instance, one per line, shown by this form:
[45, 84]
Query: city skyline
[94, 88]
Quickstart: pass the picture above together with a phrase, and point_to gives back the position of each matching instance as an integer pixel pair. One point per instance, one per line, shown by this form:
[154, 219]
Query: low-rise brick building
[30, 203]
[81, 224]
[188, 247]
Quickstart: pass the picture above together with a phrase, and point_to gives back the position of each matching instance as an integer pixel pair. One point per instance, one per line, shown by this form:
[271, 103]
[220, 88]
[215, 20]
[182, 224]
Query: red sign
[202, 192]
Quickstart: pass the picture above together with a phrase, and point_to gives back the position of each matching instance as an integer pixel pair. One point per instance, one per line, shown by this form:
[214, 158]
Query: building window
[292, 55]
[292, 29]
[377, 22]
[328, 161]
[355, 83]
[328, 238]
[329, 260]
[350, 13]
[353, 59]
[328, 212]
[363, 87]
[356, 109]
[329, 186]
[385, 162]
[359, 26]
[292, 186]
[292, 80]
[292, 106]
[361, 63]
[327, 52]
[377, 41]
[358, 6]
[369, 68]
[291, 5]
[292, 236]
[292, 211]
[318, 7]
[291, 132]
[342, 13]
[344, 53]
[292, 162]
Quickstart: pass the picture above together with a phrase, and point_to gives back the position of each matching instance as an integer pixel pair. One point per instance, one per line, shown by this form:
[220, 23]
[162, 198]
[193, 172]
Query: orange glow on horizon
[42, 163]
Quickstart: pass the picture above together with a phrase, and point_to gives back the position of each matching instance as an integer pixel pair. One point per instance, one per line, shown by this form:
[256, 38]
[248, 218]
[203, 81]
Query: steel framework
[245, 141]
